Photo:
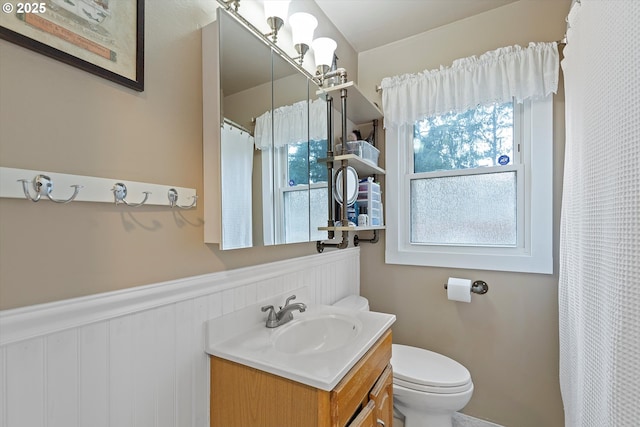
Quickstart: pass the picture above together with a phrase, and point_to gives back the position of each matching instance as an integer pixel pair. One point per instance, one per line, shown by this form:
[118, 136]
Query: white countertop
[240, 337]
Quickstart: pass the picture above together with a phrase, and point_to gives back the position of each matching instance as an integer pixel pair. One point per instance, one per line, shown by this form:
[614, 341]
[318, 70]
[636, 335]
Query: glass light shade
[302, 27]
[279, 8]
[324, 48]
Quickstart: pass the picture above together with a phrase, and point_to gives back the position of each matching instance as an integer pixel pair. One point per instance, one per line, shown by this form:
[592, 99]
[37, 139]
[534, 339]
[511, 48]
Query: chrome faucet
[285, 314]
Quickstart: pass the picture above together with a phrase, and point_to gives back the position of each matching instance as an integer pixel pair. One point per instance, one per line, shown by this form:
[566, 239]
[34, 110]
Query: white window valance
[495, 76]
[290, 124]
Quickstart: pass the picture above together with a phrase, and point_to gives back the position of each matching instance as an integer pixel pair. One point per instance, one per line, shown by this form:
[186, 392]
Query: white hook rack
[23, 183]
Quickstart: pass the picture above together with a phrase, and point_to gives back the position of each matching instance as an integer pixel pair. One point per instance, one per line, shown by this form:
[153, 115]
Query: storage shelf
[363, 167]
[372, 227]
[359, 108]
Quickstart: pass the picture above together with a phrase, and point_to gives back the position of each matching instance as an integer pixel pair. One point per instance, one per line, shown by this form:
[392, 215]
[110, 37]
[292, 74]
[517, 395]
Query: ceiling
[368, 24]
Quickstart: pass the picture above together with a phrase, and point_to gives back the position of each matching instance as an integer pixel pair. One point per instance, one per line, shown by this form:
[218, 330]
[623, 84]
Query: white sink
[316, 334]
[317, 348]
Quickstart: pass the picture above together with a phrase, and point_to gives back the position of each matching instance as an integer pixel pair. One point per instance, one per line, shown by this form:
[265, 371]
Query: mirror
[290, 154]
[268, 111]
[245, 93]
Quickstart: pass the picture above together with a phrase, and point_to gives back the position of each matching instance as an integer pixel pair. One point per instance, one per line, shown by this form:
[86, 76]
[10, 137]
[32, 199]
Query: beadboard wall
[136, 357]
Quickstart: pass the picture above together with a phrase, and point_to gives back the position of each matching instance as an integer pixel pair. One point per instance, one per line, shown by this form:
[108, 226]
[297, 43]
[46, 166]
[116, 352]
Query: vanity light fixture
[326, 67]
[324, 48]
[302, 27]
[232, 3]
[276, 12]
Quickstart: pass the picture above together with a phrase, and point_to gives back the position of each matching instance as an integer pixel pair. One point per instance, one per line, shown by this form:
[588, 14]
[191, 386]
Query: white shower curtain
[237, 169]
[599, 289]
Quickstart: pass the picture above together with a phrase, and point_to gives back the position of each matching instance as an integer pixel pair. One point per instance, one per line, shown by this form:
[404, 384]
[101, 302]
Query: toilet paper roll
[459, 289]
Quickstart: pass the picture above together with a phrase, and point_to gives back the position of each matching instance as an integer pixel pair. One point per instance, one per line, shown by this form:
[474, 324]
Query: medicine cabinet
[262, 135]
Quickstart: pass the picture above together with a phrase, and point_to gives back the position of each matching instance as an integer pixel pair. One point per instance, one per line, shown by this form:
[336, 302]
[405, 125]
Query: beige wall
[57, 118]
[508, 338]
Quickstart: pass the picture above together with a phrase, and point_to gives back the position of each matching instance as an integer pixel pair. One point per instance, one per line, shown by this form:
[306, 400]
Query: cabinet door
[382, 395]
[348, 395]
[366, 417]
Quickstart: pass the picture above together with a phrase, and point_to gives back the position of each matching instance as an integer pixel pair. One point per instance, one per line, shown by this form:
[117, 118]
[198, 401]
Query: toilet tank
[354, 303]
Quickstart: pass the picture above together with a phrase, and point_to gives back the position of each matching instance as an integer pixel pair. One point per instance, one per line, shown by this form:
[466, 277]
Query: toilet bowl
[428, 388]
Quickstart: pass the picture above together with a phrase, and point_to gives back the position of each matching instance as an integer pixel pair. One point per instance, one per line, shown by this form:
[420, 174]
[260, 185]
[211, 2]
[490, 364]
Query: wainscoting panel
[135, 358]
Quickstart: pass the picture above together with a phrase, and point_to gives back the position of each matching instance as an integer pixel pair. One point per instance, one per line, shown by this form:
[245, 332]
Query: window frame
[534, 251]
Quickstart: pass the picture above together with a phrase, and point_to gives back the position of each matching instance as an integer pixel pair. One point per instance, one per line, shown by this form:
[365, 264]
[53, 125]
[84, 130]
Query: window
[304, 192]
[473, 189]
[300, 188]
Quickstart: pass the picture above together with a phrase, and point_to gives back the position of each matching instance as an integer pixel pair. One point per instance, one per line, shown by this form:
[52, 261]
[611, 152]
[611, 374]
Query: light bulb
[324, 47]
[276, 8]
[302, 27]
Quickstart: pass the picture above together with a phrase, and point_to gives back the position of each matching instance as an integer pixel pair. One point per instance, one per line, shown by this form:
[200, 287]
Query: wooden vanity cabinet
[382, 395]
[366, 417]
[242, 396]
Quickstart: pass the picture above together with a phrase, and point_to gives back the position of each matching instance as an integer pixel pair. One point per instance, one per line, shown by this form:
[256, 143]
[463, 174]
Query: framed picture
[103, 37]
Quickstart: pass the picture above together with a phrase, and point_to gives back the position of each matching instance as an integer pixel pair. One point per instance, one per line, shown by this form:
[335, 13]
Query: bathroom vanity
[245, 396]
[327, 367]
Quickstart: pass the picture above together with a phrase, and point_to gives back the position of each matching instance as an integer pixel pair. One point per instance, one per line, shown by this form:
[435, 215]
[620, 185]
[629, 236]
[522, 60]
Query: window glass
[478, 137]
[318, 212]
[450, 203]
[296, 216]
[470, 210]
[303, 165]
[306, 172]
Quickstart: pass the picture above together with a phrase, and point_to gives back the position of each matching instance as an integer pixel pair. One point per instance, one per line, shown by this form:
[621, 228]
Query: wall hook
[173, 199]
[42, 184]
[120, 192]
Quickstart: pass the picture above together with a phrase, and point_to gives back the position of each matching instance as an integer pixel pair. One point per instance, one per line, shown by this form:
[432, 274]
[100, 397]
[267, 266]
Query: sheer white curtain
[496, 76]
[289, 124]
[599, 289]
[236, 171]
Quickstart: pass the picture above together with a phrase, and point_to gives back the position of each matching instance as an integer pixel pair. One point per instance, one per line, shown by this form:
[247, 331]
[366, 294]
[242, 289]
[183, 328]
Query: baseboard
[459, 420]
[462, 420]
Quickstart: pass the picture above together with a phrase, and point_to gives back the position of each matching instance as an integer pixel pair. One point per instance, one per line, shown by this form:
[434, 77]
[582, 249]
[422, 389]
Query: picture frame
[102, 37]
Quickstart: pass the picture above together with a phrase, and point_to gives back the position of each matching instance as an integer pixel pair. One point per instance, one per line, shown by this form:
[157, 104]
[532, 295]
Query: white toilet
[427, 387]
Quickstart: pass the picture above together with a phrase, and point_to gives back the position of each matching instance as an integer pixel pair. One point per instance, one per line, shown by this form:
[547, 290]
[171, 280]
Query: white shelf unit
[363, 167]
[359, 110]
[374, 227]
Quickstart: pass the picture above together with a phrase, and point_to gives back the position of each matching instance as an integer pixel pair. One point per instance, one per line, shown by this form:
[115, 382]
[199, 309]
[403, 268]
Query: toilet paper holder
[478, 287]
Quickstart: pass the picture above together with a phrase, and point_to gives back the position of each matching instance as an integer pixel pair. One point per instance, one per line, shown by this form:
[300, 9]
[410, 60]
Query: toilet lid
[421, 369]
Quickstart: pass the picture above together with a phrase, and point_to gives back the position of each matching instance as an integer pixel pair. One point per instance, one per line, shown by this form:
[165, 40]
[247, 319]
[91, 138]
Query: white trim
[268, 214]
[43, 319]
[533, 255]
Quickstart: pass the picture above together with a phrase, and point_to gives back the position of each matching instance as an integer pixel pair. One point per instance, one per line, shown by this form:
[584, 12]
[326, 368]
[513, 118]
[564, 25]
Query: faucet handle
[272, 317]
[271, 309]
[292, 297]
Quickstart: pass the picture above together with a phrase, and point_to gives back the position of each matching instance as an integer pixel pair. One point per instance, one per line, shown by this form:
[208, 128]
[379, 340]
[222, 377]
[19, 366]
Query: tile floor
[459, 420]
